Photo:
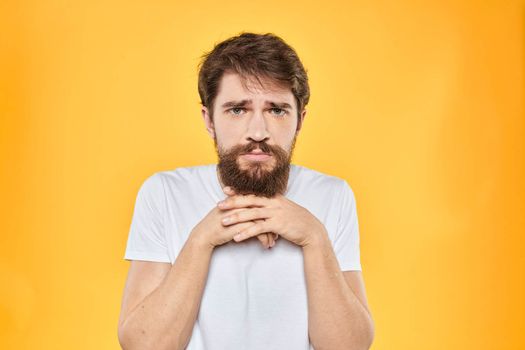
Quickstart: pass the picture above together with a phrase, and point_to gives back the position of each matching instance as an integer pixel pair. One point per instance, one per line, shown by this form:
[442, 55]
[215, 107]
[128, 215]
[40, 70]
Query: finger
[264, 239]
[228, 190]
[240, 201]
[249, 214]
[253, 230]
[230, 231]
[272, 241]
[231, 211]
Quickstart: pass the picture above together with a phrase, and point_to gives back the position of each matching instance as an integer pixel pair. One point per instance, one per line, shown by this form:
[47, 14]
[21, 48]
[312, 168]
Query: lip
[257, 156]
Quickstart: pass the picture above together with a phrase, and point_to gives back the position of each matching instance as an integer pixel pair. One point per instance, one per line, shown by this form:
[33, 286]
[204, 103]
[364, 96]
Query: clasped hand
[277, 215]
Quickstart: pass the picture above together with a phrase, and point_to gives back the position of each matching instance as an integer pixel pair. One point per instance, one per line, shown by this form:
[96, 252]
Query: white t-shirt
[254, 298]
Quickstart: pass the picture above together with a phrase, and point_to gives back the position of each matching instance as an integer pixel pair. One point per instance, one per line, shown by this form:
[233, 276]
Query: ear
[301, 120]
[208, 122]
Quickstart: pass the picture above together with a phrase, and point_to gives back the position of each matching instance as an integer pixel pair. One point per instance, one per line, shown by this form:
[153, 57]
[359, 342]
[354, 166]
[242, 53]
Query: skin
[161, 300]
[338, 313]
[344, 291]
[256, 122]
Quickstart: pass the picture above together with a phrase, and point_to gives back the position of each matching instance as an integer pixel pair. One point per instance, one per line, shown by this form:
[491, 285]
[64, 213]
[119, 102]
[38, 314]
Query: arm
[165, 317]
[337, 319]
[161, 302]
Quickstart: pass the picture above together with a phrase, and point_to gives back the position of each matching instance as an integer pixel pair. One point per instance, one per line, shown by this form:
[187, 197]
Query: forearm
[165, 318]
[336, 317]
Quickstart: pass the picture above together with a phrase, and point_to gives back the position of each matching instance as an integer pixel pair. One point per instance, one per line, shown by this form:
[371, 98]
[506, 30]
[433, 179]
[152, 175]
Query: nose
[257, 128]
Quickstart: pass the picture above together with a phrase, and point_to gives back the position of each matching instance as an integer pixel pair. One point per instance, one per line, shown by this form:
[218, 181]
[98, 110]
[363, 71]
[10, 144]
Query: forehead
[231, 88]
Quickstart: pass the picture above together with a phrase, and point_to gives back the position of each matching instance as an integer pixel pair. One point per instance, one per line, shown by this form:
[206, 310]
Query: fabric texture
[254, 298]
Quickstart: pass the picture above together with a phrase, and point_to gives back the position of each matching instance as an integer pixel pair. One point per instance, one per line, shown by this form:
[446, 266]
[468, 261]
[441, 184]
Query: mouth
[257, 156]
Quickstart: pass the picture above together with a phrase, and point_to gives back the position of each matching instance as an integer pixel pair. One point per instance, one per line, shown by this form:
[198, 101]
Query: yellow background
[417, 104]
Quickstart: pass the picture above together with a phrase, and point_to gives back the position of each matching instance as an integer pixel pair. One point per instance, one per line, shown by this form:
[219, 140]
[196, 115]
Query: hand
[277, 214]
[267, 239]
[211, 233]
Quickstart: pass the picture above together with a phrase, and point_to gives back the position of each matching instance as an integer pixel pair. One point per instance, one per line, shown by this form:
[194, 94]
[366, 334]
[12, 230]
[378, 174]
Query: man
[197, 281]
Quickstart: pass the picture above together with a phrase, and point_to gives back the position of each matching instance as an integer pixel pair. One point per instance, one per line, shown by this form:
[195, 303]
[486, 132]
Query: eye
[232, 110]
[281, 110]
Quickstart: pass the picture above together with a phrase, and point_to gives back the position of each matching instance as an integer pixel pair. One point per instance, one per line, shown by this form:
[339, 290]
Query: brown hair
[253, 55]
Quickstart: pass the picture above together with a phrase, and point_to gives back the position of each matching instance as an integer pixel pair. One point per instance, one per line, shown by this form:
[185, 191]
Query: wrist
[317, 238]
[200, 242]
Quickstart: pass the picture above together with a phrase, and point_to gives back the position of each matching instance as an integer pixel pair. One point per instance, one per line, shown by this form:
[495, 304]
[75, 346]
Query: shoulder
[305, 177]
[184, 175]
[152, 184]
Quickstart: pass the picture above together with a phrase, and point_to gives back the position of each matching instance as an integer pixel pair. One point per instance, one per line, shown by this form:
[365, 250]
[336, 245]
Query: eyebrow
[243, 103]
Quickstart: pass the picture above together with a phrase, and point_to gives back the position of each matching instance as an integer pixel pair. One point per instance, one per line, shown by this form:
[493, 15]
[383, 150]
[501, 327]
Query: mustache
[263, 146]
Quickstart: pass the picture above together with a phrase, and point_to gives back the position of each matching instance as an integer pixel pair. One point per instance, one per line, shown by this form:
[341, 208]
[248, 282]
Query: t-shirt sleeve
[346, 242]
[146, 237]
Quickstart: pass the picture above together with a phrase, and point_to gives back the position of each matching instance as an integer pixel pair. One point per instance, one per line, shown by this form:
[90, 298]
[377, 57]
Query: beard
[255, 177]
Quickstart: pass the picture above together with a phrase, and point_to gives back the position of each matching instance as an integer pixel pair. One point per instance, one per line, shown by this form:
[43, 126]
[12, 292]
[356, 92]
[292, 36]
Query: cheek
[226, 136]
[285, 138]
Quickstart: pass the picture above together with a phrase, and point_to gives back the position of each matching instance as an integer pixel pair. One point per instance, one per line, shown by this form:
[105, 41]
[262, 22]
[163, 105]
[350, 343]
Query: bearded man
[252, 252]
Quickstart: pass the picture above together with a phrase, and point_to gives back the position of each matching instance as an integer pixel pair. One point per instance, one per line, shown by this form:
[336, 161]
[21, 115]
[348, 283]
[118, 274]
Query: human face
[253, 119]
